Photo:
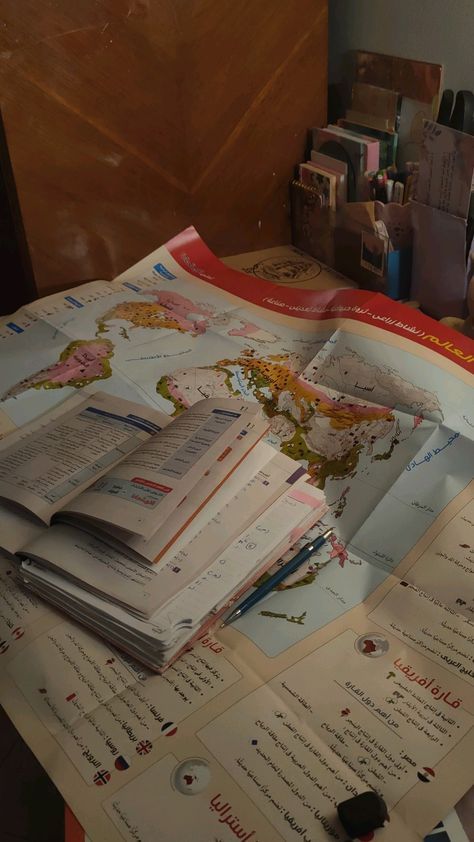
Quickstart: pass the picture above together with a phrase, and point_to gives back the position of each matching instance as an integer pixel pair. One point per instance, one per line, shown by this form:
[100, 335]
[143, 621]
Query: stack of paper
[146, 530]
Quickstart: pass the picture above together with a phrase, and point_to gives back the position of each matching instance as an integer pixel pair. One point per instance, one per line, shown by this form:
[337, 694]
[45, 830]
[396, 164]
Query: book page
[74, 560]
[272, 483]
[227, 475]
[270, 535]
[185, 521]
[261, 455]
[17, 529]
[229, 573]
[140, 493]
[106, 569]
[44, 470]
[103, 570]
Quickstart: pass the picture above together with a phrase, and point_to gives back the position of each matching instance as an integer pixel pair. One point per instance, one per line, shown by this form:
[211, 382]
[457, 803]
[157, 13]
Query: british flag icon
[144, 747]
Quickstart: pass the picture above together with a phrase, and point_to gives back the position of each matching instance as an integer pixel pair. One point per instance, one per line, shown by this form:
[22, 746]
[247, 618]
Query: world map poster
[375, 401]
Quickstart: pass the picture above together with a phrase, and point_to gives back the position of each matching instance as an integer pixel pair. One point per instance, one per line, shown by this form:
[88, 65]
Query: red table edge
[73, 831]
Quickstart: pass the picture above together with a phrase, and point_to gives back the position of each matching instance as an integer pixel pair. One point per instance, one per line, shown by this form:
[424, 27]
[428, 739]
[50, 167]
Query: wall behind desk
[441, 31]
[128, 120]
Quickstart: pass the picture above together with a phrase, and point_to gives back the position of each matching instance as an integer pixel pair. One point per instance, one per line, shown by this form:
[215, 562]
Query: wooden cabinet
[128, 120]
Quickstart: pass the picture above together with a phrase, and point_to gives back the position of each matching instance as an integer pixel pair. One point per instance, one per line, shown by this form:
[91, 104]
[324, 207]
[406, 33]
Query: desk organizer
[377, 256]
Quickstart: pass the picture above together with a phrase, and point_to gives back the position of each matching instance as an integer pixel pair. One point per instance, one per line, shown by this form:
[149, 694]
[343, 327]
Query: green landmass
[163, 390]
[259, 382]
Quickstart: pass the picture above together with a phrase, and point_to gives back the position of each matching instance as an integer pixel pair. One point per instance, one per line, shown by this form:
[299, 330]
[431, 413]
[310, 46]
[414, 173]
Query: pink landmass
[84, 362]
[81, 363]
[175, 392]
[343, 405]
[182, 309]
[248, 330]
[338, 550]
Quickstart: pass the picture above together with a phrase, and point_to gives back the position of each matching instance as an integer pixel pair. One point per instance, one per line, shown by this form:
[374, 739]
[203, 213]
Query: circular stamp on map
[371, 645]
[191, 776]
[286, 270]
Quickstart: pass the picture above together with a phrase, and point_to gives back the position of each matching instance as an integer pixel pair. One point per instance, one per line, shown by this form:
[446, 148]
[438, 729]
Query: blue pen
[306, 552]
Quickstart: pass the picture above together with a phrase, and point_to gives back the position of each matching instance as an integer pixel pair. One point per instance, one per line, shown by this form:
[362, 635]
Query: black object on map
[362, 814]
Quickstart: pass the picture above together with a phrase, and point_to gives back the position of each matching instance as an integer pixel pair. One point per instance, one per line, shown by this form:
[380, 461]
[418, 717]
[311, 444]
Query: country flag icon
[169, 729]
[4, 646]
[121, 763]
[426, 775]
[191, 777]
[371, 645]
[144, 747]
[102, 777]
[18, 632]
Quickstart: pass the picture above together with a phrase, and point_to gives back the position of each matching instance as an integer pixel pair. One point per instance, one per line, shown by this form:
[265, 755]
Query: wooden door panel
[130, 119]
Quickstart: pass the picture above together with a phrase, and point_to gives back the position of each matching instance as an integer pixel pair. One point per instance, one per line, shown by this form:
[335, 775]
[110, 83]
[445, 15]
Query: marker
[389, 187]
[398, 191]
[306, 552]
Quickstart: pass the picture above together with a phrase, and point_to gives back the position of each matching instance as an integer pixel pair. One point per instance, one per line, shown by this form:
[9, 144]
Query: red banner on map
[192, 254]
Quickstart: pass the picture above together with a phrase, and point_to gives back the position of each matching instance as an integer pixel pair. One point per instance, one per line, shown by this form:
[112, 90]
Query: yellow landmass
[142, 314]
[272, 373]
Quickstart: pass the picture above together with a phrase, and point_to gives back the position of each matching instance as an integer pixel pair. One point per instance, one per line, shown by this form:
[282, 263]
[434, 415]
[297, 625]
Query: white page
[240, 513]
[134, 642]
[141, 587]
[44, 470]
[17, 529]
[178, 639]
[92, 605]
[227, 475]
[141, 493]
[261, 454]
[244, 555]
[92, 564]
[283, 521]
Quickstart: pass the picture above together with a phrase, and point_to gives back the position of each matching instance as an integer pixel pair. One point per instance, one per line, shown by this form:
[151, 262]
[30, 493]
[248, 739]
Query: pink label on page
[304, 497]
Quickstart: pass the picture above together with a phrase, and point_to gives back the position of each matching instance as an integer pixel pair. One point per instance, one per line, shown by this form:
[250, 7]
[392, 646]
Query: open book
[147, 529]
[121, 468]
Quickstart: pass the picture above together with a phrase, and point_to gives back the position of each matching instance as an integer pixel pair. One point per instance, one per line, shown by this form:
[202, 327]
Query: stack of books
[147, 529]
